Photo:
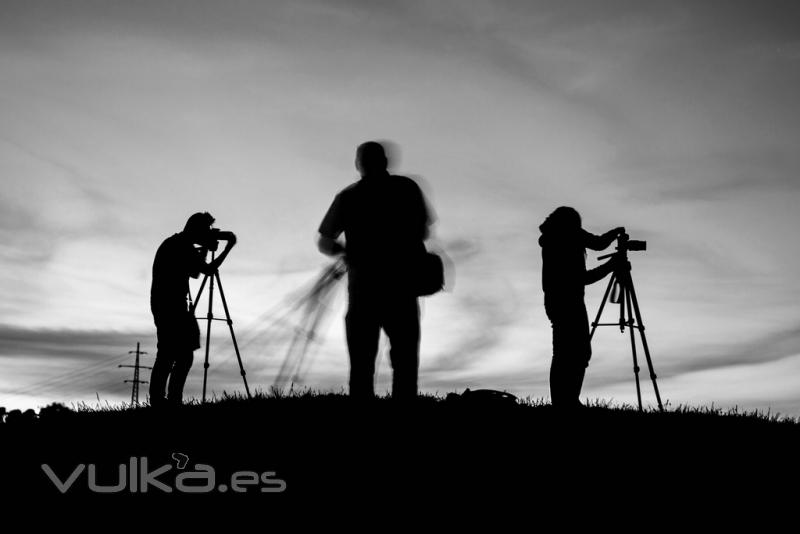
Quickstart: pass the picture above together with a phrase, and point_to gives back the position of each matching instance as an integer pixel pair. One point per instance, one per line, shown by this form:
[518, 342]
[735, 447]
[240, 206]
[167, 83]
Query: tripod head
[624, 244]
[622, 268]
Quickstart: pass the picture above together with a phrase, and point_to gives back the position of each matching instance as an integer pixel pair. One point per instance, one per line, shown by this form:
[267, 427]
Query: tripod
[314, 306]
[626, 297]
[211, 278]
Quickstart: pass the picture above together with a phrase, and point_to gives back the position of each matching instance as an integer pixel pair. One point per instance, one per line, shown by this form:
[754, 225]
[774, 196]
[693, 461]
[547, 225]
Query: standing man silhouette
[176, 260]
[385, 221]
[564, 277]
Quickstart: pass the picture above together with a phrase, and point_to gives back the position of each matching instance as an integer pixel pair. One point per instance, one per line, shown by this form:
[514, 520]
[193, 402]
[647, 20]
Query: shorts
[177, 332]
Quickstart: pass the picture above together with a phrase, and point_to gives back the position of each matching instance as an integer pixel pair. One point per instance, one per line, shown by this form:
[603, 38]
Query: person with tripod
[385, 221]
[564, 277]
[177, 330]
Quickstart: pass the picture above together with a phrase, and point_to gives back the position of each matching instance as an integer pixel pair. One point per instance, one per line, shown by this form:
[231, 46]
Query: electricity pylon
[135, 382]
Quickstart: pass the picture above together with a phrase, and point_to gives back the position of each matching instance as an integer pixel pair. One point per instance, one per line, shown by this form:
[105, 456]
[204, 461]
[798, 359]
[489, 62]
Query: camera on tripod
[620, 291]
[625, 243]
[212, 239]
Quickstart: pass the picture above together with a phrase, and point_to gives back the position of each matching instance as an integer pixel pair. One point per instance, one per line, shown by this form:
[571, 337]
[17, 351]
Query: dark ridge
[327, 448]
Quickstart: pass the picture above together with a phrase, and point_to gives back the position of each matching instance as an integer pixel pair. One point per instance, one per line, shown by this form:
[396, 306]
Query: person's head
[563, 221]
[371, 159]
[198, 226]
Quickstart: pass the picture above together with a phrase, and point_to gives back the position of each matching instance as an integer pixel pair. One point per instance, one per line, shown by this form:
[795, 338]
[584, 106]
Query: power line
[42, 385]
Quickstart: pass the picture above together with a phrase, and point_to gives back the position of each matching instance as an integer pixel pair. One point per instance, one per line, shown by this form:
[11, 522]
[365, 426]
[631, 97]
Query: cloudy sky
[678, 120]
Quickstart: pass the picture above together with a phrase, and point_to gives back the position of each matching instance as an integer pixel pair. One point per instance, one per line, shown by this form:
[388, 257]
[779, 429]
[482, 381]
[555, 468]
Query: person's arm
[600, 272]
[210, 268]
[601, 242]
[331, 228]
[427, 215]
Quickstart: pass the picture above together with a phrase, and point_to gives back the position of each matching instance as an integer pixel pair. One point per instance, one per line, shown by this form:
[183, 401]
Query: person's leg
[562, 368]
[582, 352]
[555, 366]
[558, 379]
[577, 374]
[177, 378]
[362, 328]
[403, 330]
[158, 377]
[165, 358]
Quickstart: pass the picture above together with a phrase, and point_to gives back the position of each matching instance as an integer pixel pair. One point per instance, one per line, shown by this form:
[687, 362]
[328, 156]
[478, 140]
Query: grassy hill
[312, 447]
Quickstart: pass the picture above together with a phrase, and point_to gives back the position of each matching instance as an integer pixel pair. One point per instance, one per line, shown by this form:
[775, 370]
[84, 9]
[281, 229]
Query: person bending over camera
[178, 333]
[564, 276]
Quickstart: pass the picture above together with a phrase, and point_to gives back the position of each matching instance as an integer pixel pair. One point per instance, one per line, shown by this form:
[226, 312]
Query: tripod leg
[293, 361]
[602, 305]
[644, 343]
[233, 336]
[209, 319]
[304, 334]
[316, 321]
[627, 300]
[621, 281]
[199, 292]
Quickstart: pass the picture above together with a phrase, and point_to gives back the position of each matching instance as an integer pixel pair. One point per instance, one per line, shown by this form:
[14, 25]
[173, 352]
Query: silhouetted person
[564, 277]
[176, 260]
[385, 220]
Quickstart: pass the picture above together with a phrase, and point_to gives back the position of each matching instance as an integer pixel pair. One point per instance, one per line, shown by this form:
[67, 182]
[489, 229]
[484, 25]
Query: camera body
[212, 239]
[625, 243]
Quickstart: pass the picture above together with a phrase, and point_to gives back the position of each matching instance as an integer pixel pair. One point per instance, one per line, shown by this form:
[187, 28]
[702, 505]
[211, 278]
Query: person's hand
[619, 230]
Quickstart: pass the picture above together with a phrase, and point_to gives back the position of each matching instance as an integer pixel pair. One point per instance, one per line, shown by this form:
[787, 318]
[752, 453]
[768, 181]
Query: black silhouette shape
[620, 291]
[178, 333]
[54, 410]
[564, 277]
[18, 417]
[484, 398]
[212, 280]
[385, 220]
